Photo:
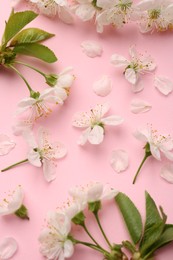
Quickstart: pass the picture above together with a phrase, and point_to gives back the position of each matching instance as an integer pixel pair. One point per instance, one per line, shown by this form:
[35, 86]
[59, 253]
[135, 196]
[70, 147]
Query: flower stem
[22, 77]
[30, 66]
[13, 165]
[100, 226]
[140, 166]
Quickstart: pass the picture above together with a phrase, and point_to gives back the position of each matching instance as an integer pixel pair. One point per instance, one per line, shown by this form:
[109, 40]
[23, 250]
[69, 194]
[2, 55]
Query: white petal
[96, 135]
[103, 86]
[65, 80]
[119, 61]
[112, 120]
[131, 76]
[17, 199]
[34, 158]
[101, 109]
[95, 192]
[108, 193]
[68, 248]
[142, 135]
[59, 150]
[139, 106]
[91, 48]
[155, 151]
[65, 15]
[138, 85]
[8, 248]
[22, 126]
[84, 136]
[49, 170]
[81, 119]
[119, 160]
[85, 12]
[6, 144]
[167, 172]
[163, 84]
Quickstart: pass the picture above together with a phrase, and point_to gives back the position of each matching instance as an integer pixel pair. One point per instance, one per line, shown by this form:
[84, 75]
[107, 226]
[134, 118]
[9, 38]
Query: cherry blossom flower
[154, 15]
[94, 122]
[45, 153]
[13, 204]
[155, 144]
[133, 68]
[54, 241]
[114, 12]
[53, 7]
[6, 144]
[8, 247]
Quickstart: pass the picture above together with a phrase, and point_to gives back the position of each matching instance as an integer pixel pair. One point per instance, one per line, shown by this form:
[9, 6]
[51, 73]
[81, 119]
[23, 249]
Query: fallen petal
[8, 248]
[139, 106]
[119, 160]
[167, 172]
[163, 84]
[91, 48]
[6, 144]
[103, 86]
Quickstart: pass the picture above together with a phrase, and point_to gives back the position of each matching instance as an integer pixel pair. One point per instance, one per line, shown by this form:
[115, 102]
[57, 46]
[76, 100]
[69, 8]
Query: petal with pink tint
[91, 48]
[119, 61]
[8, 248]
[164, 85]
[138, 106]
[119, 160]
[103, 86]
[167, 172]
[6, 144]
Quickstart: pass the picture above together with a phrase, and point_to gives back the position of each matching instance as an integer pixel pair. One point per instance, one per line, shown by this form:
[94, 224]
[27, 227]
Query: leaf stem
[102, 231]
[13, 165]
[30, 66]
[22, 77]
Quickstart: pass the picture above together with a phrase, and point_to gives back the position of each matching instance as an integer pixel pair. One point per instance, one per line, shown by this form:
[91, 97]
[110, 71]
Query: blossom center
[154, 14]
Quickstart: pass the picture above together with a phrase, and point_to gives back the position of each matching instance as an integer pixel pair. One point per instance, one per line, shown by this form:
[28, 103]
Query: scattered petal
[6, 144]
[8, 248]
[164, 85]
[103, 86]
[167, 172]
[119, 160]
[139, 106]
[91, 48]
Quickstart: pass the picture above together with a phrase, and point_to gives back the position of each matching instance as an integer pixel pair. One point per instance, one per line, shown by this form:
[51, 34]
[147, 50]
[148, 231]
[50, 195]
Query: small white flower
[167, 172]
[103, 86]
[8, 247]
[163, 84]
[53, 7]
[45, 153]
[92, 48]
[133, 68]
[119, 160]
[94, 122]
[154, 15]
[158, 143]
[139, 106]
[6, 144]
[54, 242]
[12, 203]
[40, 105]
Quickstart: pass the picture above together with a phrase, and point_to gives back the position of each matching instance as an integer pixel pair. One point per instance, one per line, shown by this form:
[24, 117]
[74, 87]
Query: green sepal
[7, 57]
[22, 212]
[51, 79]
[30, 35]
[36, 50]
[94, 206]
[131, 216]
[15, 23]
[128, 245]
[79, 219]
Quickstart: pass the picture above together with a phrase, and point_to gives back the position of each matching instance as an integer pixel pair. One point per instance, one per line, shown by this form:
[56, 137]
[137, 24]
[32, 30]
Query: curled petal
[96, 135]
[34, 158]
[91, 48]
[119, 61]
[155, 151]
[139, 106]
[167, 172]
[112, 120]
[103, 86]
[8, 248]
[131, 76]
[6, 144]
[119, 160]
[164, 85]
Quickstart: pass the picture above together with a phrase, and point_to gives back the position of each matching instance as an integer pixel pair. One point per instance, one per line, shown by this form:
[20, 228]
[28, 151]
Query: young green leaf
[15, 23]
[36, 50]
[30, 35]
[131, 216]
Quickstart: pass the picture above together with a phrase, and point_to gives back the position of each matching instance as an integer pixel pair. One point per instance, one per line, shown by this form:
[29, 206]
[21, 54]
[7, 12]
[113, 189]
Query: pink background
[88, 163]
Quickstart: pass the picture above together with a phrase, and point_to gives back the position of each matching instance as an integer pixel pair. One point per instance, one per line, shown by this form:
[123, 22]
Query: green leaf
[30, 35]
[36, 50]
[15, 23]
[131, 216]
